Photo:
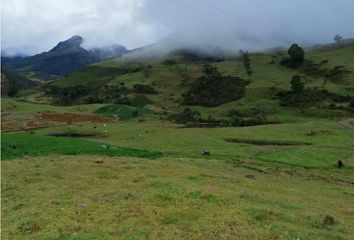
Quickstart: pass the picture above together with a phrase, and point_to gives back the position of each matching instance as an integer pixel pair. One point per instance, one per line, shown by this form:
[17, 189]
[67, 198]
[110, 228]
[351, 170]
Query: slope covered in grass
[174, 75]
[18, 145]
[65, 197]
[329, 142]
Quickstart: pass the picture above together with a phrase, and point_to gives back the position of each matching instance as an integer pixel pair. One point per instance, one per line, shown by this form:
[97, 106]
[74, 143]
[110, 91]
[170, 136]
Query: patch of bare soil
[155, 107]
[348, 123]
[27, 121]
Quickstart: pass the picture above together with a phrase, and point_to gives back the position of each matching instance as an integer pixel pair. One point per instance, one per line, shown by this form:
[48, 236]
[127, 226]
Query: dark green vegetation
[260, 162]
[234, 118]
[213, 89]
[19, 145]
[266, 142]
[12, 82]
[297, 55]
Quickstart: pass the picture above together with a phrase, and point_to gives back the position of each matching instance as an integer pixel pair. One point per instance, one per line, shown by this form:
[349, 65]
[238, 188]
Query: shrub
[91, 99]
[144, 88]
[337, 74]
[254, 117]
[188, 115]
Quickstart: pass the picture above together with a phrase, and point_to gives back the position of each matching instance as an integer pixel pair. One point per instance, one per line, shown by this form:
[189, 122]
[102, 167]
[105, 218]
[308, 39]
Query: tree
[246, 62]
[211, 71]
[338, 38]
[297, 55]
[297, 86]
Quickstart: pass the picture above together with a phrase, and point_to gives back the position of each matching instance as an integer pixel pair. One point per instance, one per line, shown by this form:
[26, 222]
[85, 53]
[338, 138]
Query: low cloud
[34, 26]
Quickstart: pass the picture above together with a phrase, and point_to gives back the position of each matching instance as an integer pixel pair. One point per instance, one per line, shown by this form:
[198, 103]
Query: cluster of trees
[215, 55]
[213, 89]
[235, 118]
[252, 118]
[12, 82]
[65, 95]
[116, 94]
[194, 118]
[299, 96]
[297, 59]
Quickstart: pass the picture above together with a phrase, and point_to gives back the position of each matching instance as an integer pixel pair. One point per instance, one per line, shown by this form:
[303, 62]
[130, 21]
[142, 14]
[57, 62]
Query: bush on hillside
[186, 116]
[66, 95]
[310, 98]
[252, 118]
[337, 75]
[144, 88]
[91, 100]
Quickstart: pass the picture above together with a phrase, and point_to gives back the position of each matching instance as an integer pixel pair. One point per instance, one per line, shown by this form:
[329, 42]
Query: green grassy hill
[116, 81]
[112, 154]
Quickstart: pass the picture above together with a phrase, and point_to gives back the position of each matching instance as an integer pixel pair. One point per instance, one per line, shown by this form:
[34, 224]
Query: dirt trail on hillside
[348, 123]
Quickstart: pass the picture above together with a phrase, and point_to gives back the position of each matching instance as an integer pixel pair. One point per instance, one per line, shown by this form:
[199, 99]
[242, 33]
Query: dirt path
[348, 123]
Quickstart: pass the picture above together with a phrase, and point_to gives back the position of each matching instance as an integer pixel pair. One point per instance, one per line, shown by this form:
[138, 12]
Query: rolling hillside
[113, 81]
[114, 151]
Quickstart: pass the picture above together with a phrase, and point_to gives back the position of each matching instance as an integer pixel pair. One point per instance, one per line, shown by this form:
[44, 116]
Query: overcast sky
[33, 26]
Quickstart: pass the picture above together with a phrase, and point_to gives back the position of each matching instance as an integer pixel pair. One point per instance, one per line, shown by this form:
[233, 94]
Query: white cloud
[33, 26]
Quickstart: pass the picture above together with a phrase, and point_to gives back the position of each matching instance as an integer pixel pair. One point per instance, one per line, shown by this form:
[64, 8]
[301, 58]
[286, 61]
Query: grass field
[19, 145]
[136, 175]
[190, 142]
[62, 197]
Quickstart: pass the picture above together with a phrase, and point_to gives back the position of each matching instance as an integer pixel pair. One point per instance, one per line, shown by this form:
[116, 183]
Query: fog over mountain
[30, 27]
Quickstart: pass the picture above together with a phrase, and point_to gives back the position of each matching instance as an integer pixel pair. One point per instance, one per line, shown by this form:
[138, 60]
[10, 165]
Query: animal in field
[205, 153]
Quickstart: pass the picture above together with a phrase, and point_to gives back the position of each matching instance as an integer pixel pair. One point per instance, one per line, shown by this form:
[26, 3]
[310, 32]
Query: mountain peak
[74, 41]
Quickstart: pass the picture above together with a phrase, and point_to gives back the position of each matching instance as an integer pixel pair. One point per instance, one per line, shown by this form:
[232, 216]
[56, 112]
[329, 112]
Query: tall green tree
[297, 55]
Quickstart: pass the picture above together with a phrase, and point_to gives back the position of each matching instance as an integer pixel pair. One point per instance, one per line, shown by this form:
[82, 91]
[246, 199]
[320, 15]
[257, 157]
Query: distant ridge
[65, 58]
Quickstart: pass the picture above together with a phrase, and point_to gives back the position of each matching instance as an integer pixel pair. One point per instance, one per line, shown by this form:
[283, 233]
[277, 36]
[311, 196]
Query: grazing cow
[340, 164]
[205, 153]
